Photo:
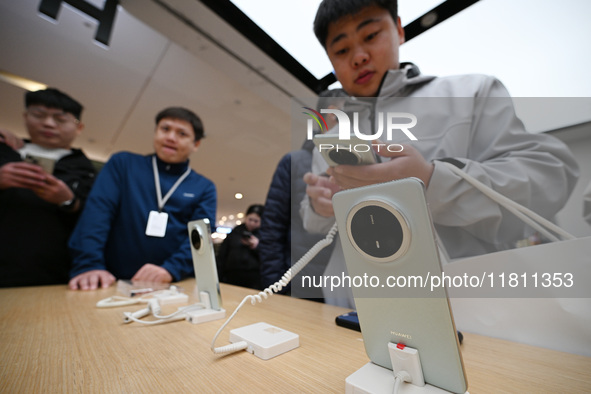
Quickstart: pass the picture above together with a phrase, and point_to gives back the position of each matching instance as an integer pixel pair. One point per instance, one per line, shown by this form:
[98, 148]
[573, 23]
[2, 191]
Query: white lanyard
[162, 201]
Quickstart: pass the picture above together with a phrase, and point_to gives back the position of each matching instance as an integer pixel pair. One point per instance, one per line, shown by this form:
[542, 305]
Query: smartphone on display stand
[204, 263]
[388, 236]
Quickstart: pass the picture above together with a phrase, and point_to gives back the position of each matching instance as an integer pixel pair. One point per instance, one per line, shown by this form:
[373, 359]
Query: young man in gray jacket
[467, 120]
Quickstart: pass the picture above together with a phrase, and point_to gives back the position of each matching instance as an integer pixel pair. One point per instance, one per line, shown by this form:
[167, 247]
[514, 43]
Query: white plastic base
[264, 340]
[205, 315]
[373, 379]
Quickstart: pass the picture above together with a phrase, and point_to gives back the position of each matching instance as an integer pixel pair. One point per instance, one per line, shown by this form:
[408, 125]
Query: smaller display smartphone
[390, 252]
[353, 151]
[204, 263]
[46, 163]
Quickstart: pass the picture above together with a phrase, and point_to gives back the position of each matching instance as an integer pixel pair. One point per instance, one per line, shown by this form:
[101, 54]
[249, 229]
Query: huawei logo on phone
[401, 335]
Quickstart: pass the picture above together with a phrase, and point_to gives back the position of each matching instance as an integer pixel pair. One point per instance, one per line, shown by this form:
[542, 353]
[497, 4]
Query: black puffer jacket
[283, 239]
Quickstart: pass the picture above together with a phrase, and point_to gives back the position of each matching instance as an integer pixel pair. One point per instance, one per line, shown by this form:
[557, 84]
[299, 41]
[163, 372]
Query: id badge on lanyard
[158, 220]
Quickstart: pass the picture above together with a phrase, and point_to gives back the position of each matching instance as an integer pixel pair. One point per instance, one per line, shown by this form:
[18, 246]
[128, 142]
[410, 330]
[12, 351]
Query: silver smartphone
[46, 163]
[353, 151]
[390, 252]
[206, 274]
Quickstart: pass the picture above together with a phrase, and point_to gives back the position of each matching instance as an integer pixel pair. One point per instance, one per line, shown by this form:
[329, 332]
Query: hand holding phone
[46, 163]
[320, 190]
[246, 234]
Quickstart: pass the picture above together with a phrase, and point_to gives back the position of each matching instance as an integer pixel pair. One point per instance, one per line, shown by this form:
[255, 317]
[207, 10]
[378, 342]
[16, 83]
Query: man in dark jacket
[39, 205]
[283, 238]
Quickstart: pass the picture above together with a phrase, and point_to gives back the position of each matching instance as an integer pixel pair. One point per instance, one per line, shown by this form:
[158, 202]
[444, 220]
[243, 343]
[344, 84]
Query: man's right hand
[90, 280]
[23, 175]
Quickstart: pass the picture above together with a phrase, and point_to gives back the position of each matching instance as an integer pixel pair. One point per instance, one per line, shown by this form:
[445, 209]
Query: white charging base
[373, 379]
[264, 340]
[207, 313]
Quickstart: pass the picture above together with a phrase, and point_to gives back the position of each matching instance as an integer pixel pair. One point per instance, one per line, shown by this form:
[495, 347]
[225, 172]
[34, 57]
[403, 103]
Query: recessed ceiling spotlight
[238, 196]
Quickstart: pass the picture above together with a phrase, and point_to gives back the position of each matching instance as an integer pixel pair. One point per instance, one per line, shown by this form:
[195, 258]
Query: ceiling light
[238, 196]
[21, 82]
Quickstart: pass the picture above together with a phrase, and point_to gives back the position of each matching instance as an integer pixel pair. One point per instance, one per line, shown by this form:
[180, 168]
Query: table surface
[56, 340]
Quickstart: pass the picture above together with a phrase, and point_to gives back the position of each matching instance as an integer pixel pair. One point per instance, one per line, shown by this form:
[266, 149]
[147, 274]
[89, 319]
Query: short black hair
[183, 114]
[256, 208]
[53, 98]
[330, 11]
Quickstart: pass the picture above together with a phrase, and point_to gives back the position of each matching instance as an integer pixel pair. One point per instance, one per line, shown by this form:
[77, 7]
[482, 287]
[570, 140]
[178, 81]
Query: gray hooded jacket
[470, 121]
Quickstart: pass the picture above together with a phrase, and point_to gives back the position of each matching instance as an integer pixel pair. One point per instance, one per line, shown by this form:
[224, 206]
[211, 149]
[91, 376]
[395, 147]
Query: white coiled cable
[539, 223]
[274, 288]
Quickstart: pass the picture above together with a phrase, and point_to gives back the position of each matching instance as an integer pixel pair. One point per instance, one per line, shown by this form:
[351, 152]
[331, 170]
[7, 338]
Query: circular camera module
[196, 239]
[343, 157]
[378, 231]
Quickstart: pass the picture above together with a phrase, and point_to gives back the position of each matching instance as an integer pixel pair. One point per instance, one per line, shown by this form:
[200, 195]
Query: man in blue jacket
[134, 225]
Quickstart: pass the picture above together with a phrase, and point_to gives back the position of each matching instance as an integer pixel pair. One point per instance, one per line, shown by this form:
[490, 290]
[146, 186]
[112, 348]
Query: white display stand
[373, 379]
[206, 314]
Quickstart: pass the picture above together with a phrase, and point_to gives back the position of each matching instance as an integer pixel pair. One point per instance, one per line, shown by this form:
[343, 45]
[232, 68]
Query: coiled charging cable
[274, 288]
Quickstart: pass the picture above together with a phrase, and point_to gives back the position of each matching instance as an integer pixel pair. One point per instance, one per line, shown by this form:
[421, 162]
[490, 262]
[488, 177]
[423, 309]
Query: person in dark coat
[238, 257]
[283, 238]
[44, 183]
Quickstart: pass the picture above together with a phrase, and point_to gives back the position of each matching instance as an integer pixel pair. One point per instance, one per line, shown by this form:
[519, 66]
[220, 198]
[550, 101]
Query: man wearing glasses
[43, 185]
